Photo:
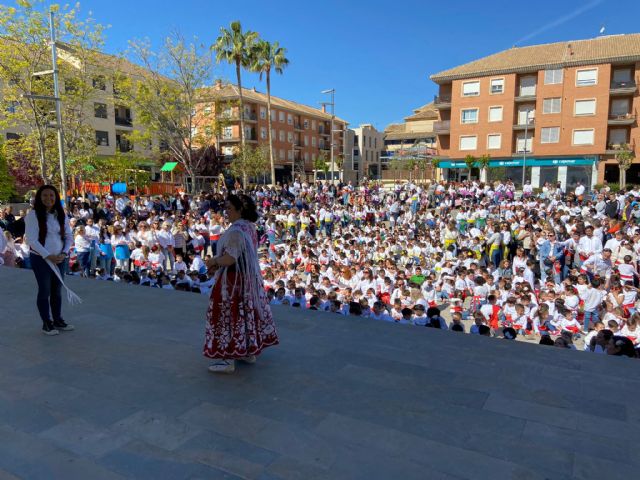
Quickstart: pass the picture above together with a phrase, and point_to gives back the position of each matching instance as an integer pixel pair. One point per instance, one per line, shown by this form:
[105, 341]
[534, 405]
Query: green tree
[24, 55]
[321, 163]
[624, 156]
[7, 183]
[266, 57]
[169, 102]
[470, 162]
[484, 162]
[249, 161]
[235, 46]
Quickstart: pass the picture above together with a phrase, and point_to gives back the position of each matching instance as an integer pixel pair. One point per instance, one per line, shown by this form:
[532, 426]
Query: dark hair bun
[245, 205]
[249, 208]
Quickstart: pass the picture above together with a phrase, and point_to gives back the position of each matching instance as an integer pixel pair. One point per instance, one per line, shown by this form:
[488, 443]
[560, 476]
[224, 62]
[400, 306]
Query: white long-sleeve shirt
[53, 244]
[165, 239]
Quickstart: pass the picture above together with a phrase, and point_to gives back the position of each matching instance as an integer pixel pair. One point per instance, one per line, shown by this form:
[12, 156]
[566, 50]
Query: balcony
[324, 146]
[323, 131]
[525, 126]
[124, 121]
[622, 88]
[442, 102]
[443, 127]
[526, 96]
[615, 148]
[624, 119]
[124, 146]
[250, 117]
[521, 151]
[298, 126]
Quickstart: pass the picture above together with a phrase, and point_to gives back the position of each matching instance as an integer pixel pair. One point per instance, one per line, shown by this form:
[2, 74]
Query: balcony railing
[623, 88]
[250, 116]
[526, 96]
[123, 146]
[124, 121]
[525, 125]
[614, 148]
[624, 119]
[442, 127]
[442, 101]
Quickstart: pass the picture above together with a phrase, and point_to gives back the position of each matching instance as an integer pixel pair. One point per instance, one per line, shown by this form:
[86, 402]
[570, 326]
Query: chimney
[324, 108]
[218, 84]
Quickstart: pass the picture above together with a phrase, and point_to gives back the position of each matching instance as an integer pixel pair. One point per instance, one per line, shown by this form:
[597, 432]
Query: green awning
[169, 166]
[89, 168]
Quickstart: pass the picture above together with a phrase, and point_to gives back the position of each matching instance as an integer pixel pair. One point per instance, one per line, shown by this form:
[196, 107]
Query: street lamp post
[332, 91]
[524, 152]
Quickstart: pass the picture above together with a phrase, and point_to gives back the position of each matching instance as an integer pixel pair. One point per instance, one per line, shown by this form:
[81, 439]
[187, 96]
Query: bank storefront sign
[530, 162]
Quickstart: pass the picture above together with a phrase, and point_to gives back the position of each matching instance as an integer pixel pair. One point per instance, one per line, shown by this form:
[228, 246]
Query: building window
[289, 137]
[468, 115]
[619, 106]
[227, 133]
[273, 115]
[313, 124]
[227, 151]
[281, 154]
[208, 131]
[469, 142]
[281, 135]
[494, 141]
[12, 136]
[313, 141]
[306, 141]
[528, 86]
[12, 106]
[207, 110]
[306, 124]
[585, 107]
[587, 77]
[289, 155]
[273, 133]
[100, 110]
[471, 89]
[290, 119]
[551, 77]
[99, 82]
[618, 136]
[551, 105]
[263, 133]
[550, 135]
[497, 85]
[263, 113]
[523, 143]
[495, 114]
[281, 117]
[102, 138]
[583, 137]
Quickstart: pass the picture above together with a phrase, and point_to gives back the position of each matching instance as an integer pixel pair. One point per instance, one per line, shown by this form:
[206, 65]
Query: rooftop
[604, 49]
[230, 91]
[128, 395]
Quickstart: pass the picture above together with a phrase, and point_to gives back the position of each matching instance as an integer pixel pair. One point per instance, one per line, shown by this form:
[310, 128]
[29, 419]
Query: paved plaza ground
[128, 395]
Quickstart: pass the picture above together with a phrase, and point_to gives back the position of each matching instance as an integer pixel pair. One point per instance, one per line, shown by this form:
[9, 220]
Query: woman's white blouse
[53, 244]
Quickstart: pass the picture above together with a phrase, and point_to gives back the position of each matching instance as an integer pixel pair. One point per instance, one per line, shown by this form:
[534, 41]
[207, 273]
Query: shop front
[567, 171]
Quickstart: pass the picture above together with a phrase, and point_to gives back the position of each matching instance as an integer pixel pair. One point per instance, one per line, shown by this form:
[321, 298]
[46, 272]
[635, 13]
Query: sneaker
[251, 359]
[223, 366]
[62, 325]
[49, 329]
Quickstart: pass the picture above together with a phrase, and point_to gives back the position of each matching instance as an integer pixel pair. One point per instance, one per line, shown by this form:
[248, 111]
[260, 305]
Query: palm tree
[235, 47]
[268, 56]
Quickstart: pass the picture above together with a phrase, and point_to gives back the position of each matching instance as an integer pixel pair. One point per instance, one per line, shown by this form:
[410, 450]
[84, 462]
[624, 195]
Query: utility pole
[332, 91]
[524, 153]
[58, 100]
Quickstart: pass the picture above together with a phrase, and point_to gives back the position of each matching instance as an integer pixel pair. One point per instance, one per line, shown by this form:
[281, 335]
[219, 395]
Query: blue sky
[378, 55]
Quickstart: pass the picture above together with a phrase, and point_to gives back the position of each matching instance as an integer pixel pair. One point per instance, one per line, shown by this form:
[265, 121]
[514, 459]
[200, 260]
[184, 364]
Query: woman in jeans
[49, 236]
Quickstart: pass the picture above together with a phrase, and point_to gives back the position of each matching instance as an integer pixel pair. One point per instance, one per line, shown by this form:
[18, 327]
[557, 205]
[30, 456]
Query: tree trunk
[271, 159]
[623, 178]
[483, 175]
[242, 139]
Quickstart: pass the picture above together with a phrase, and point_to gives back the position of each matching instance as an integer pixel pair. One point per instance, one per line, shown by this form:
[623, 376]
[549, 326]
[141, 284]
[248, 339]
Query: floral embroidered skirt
[236, 327]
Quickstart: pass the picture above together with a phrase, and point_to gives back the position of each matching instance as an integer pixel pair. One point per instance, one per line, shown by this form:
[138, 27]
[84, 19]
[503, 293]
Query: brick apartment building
[561, 109]
[300, 133]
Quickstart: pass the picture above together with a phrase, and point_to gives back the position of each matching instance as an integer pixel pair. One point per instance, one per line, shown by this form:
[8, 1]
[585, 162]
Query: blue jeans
[84, 259]
[49, 288]
[591, 316]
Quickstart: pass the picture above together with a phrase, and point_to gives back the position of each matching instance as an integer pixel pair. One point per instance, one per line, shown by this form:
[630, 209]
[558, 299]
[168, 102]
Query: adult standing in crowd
[239, 320]
[49, 237]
